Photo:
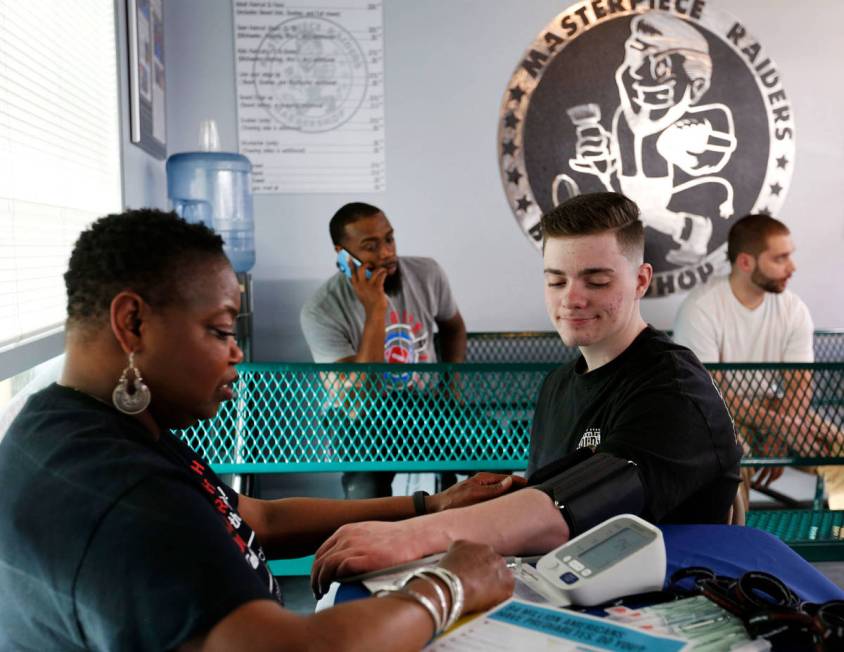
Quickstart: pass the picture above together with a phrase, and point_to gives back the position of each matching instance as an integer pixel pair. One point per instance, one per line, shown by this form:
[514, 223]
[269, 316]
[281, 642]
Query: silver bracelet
[423, 600]
[455, 587]
[420, 574]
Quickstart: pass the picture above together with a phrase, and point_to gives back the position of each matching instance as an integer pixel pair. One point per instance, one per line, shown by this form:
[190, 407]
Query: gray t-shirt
[333, 318]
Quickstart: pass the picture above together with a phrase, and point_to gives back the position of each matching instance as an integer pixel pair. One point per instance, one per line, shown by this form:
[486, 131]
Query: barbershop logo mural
[672, 102]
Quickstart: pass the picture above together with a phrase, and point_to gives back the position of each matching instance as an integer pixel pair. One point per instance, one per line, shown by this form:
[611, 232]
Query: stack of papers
[519, 625]
[535, 620]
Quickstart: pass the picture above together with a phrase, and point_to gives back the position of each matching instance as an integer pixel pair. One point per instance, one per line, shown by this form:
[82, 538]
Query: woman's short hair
[146, 250]
[598, 212]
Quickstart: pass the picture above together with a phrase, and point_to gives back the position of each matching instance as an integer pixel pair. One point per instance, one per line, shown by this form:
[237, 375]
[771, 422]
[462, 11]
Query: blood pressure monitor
[621, 556]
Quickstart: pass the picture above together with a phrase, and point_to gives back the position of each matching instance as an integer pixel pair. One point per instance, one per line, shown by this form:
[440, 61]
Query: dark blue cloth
[733, 550]
[727, 550]
[111, 540]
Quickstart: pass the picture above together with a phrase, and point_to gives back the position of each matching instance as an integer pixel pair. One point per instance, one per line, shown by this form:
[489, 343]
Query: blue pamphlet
[518, 625]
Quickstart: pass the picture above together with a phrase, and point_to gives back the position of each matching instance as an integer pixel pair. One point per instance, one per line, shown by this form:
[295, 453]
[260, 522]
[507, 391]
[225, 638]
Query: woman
[116, 536]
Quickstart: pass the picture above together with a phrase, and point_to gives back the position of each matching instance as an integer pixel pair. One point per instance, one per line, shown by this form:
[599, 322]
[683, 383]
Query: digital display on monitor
[619, 545]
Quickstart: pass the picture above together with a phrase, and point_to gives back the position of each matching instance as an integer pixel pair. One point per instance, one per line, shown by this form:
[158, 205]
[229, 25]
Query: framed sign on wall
[145, 23]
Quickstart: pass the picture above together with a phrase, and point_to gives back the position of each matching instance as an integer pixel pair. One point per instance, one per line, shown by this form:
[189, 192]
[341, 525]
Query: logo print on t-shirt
[405, 340]
[404, 343]
[253, 553]
[590, 438]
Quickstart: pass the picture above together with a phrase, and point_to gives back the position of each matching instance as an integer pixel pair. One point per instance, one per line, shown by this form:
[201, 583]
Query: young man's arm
[524, 522]
[292, 527]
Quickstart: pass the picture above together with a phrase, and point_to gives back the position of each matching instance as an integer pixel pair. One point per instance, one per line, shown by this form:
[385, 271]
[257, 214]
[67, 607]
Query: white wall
[447, 64]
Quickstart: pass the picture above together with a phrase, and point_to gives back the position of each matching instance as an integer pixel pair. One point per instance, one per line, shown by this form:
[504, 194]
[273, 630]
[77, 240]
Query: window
[15, 390]
[59, 155]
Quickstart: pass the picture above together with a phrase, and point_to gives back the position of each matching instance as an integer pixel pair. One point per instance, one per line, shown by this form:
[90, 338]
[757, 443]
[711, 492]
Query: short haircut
[597, 213]
[750, 234]
[346, 215]
[146, 250]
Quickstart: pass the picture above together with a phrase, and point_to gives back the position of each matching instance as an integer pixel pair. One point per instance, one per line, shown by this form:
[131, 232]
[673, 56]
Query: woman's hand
[480, 487]
[485, 576]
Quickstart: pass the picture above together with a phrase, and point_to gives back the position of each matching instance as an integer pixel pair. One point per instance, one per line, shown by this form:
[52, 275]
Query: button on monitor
[569, 578]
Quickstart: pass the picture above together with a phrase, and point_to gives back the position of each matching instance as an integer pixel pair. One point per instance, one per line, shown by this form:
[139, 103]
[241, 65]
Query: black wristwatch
[419, 502]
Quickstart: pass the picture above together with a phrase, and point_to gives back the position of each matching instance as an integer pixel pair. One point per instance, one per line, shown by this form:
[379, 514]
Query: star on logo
[782, 161]
[514, 175]
[510, 120]
[509, 147]
[523, 203]
[516, 93]
[776, 188]
[765, 211]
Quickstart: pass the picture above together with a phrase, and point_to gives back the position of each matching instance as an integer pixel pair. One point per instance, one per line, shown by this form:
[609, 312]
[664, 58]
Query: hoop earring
[131, 397]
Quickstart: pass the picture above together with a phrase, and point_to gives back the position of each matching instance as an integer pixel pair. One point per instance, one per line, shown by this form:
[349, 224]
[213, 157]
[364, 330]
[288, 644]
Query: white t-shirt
[718, 328]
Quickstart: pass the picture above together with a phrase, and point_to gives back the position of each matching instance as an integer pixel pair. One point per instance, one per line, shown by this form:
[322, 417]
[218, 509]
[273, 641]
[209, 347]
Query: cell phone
[345, 261]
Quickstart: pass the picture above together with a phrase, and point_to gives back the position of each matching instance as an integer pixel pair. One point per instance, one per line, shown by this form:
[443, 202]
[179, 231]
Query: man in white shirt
[750, 316]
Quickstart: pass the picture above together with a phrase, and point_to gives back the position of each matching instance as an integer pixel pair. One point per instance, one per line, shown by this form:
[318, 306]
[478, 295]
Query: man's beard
[767, 283]
[393, 283]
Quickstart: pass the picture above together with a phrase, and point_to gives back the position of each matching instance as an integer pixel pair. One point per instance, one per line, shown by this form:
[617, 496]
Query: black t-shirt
[112, 541]
[654, 404]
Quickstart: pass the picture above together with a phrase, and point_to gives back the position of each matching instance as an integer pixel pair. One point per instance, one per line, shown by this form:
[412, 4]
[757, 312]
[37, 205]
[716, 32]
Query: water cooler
[215, 188]
[244, 319]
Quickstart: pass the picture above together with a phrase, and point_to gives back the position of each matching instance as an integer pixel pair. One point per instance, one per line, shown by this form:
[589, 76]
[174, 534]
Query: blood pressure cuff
[556, 467]
[589, 488]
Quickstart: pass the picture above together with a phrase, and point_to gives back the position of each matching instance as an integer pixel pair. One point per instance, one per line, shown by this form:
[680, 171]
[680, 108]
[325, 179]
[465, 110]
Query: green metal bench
[297, 417]
[294, 418]
[819, 419]
[546, 346]
[816, 533]
[829, 346]
[303, 417]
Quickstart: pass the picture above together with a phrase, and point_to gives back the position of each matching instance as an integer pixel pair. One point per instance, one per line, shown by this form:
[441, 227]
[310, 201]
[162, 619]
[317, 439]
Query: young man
[664, 443]
[750, 316]
[386, 311]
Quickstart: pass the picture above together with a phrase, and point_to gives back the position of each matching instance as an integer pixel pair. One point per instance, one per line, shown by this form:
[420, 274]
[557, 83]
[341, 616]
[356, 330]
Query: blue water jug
[215, 188]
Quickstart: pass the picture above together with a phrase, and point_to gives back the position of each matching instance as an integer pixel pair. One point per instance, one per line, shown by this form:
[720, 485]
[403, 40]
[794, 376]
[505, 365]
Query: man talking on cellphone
[379, 307]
